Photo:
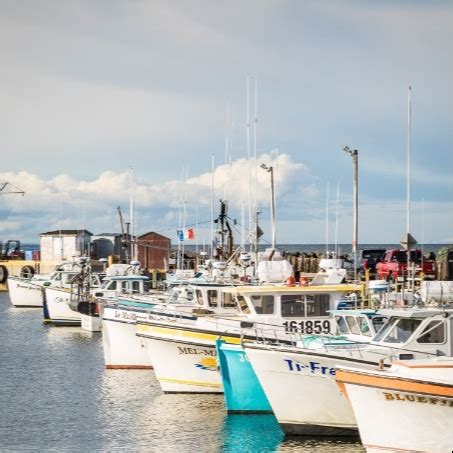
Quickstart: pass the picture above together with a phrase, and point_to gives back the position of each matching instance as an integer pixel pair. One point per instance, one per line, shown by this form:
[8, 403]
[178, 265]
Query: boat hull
[302, 392]
[182, 362]
[407, 419]
[122, 348]
[56, 308]
[23, 293]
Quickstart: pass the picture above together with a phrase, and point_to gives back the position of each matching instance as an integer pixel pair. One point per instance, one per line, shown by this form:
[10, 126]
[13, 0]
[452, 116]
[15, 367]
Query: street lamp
[271, 171]
[355, 224]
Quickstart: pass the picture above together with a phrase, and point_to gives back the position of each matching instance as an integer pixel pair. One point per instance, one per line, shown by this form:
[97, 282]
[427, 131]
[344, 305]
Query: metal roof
[66, 233]
[293, 289]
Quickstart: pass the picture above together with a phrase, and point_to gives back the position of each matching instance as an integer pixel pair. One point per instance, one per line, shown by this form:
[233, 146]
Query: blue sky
[94, 87]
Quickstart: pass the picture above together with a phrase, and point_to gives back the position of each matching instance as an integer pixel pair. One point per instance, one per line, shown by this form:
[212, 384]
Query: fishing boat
[188, 295]
[60, 305]
[28, 292]
[123, 348]
[183, 352]
[242, 389]
[405, 408]
[299, 379]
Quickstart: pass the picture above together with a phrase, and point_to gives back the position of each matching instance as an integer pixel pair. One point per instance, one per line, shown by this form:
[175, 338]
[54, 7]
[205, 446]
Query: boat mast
[131, 214]
[255, 176]
[59, 227]
[212, 205]
[327, 220]
[184, 215]
[408, 177]
[336, 219]
[227, 152]
[249, 161]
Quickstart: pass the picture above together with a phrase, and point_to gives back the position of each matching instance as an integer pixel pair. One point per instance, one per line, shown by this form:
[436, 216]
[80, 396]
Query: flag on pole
[189, 234]
[180, 235]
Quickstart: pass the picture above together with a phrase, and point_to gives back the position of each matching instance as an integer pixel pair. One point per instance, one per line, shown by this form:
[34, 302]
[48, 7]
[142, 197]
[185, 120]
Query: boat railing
[333, 343]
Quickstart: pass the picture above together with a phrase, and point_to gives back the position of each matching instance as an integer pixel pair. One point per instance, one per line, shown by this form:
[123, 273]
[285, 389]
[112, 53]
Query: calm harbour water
[55, 395]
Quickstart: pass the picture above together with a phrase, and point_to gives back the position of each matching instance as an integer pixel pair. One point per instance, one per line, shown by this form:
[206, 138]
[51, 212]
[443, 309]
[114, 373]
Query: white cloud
[94, 202]
[300, 205]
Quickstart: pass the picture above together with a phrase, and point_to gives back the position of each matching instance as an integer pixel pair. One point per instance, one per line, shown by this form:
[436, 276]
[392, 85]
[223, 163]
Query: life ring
[27, 272]
[3, 274]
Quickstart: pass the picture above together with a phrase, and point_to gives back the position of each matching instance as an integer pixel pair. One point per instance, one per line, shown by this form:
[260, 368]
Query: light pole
[355, 222]
[271, 171]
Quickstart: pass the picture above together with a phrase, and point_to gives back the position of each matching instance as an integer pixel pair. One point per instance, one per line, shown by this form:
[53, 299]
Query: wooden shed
[153, 251]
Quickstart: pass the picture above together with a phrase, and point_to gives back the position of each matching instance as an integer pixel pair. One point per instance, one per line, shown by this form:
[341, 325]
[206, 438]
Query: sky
[89, 90]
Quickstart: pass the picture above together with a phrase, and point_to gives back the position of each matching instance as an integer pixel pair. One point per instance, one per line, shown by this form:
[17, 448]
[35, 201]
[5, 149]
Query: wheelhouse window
[108, 285]
[378, 322]
[199, 296]
[364, 327]
[212, 297]
[398, 330]
[242, 304]
[352, 324]
[434, 332]
[228, 301]
[293, 306]
[263, 304]
[298, 305]
[135, 286]
[317, 304]
[342, 327]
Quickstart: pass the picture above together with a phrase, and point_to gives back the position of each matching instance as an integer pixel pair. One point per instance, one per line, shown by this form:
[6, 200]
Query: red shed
[153, 251]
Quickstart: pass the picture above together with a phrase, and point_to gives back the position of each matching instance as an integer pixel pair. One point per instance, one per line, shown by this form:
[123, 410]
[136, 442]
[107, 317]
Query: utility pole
[271, 171]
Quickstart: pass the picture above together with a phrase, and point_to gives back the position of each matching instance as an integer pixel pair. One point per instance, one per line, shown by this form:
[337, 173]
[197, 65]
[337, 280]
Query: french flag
[189, 234]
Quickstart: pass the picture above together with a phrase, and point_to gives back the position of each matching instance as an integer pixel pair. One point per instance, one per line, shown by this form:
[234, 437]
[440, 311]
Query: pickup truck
[394, 265]
[369, 258]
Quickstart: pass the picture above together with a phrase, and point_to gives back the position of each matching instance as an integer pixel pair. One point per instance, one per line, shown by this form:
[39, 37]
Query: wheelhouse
[298, 309]
[428, 330]
[127, 284]
[358, 325]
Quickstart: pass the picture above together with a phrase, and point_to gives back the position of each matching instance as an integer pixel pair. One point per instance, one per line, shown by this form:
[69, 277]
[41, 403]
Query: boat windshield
[342, 327]
[397, 330]
[378, 322]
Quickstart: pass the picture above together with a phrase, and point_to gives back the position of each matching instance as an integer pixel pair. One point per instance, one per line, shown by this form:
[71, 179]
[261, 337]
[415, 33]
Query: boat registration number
[308, 326]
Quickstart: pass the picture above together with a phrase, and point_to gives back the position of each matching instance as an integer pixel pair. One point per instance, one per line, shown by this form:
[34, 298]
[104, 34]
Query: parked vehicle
[394, 265]
[369, 259]
[11, 250]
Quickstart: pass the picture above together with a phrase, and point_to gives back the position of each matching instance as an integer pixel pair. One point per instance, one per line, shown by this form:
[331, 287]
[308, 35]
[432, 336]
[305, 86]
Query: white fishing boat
[243, 392]
[27, 292]
[123, 348]
[187, 291]
[60, 305]
[405, 408]
[183, 353]
[299, 379]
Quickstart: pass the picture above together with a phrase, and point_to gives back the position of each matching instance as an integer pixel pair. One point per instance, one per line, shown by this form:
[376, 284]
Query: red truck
[394, 265]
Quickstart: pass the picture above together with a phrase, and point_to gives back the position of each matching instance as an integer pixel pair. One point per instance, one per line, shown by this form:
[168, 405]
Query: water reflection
[321, 444]
[250, 433]
[56, 395]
